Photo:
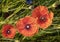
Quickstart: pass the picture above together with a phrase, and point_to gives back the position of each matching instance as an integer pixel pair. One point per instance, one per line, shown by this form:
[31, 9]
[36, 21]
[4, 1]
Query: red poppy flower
[8, 31]
[27, 26]
[44, 16]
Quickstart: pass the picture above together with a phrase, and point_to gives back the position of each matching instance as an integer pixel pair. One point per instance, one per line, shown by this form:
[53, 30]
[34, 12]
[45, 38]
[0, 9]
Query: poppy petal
[23, 22]
[8, 31]
[44, 17]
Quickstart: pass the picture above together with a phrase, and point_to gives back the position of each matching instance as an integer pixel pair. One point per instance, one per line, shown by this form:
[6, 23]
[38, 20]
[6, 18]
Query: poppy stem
[17, 41]
[23, 38]
[17, 10]
[56, 18]
[53, 5]
[7, 39]
[2, 22]
[55, 24]
[54, 29]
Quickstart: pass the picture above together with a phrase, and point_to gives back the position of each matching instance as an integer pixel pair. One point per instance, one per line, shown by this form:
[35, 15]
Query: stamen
[8, 31]
[43, 19]
[27, 26]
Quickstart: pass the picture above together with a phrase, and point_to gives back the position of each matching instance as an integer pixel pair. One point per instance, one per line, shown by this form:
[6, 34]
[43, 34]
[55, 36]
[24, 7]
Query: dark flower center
[27, 26]
[8, 31]
[42, 19]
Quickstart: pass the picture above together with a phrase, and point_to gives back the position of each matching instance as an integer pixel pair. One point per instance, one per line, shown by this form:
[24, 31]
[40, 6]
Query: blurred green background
[12, 10]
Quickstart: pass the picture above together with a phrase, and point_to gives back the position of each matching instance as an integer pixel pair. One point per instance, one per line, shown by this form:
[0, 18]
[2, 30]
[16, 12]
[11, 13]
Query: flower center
[27, 26]
[42, 19]
[8, 31]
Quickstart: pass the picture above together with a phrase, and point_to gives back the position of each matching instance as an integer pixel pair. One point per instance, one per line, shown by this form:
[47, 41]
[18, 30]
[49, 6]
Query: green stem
[17, 10]
[7, 39]
[16, 41]
[2, 22]
[53, 5]
[23, 38]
